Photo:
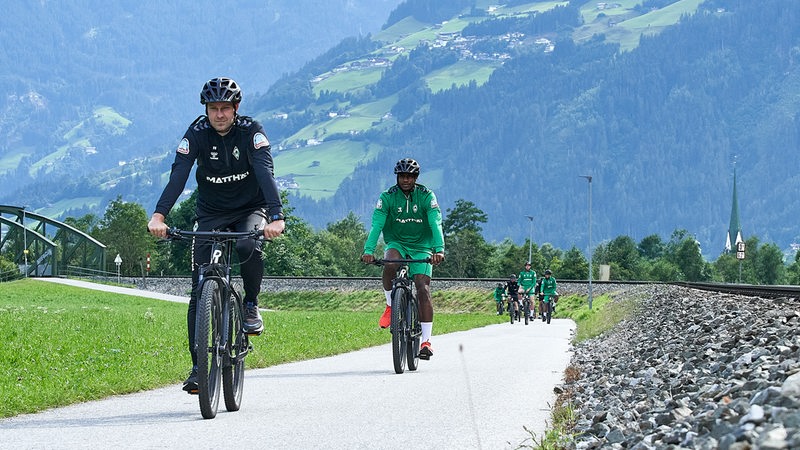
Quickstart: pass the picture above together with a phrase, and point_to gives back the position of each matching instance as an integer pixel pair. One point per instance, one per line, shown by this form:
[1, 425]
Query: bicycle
[221, 343]
[548, 306]
[405, 327]
[513, 309]
[526, 307]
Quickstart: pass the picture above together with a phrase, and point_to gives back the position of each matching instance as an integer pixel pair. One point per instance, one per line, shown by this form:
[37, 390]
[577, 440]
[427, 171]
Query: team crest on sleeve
[183, 147]
[434, 203]
[259, 140]
[379, 205]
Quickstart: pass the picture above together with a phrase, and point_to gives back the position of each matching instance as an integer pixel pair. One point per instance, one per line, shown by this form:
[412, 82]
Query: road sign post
[118, 262]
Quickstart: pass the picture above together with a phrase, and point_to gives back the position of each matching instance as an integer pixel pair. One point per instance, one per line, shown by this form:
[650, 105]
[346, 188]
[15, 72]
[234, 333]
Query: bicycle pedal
[193, 391]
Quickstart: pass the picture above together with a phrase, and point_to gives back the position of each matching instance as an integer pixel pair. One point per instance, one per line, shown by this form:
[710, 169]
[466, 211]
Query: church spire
[735, 227]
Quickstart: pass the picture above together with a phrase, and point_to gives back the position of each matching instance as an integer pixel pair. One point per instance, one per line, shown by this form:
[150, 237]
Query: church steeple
[735, 227]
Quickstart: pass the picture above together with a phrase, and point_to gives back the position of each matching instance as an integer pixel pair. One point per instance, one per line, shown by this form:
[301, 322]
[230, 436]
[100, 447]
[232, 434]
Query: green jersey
[549, 285]
[527, 280]
[498, 293]
[413, 220]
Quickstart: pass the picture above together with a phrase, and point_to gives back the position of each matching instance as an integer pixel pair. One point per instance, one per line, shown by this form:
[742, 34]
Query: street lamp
[530, 238]
[589, 179]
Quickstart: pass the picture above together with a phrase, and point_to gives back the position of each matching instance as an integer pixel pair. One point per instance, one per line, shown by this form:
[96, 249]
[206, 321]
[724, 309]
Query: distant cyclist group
[526, 284]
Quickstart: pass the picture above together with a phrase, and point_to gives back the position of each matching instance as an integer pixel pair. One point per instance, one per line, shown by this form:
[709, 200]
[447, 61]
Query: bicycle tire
[236, 348]
[412, 352]
[398, 327]
[511, 312]
[527, 312]
[207, 339]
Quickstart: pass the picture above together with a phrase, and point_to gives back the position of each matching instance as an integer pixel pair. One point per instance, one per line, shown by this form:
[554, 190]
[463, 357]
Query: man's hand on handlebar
[157, 227]
[437, 258]
[367, 258]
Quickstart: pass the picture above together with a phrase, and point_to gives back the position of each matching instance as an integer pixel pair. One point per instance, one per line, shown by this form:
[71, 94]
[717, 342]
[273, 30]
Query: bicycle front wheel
[208, 333]
[527, 312]
[236, 349]
[412, 351]
[398, 328]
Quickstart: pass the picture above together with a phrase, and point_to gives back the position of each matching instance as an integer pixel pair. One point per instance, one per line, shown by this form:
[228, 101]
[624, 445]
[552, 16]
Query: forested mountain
[505, 106]
[658, 126]
[94, 95]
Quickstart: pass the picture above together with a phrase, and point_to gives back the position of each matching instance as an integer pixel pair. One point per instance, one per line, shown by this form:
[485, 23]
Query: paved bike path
[481, 389]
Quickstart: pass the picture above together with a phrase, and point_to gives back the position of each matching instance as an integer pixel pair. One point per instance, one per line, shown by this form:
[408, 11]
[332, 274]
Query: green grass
[318, 170]
[64, 344]
[460, 74]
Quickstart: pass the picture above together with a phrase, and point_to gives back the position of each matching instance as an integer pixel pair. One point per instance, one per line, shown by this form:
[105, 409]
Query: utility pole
[530, 239]
[589, 179]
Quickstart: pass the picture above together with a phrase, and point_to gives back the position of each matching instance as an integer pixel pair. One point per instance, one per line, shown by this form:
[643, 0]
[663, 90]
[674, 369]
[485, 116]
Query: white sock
[427, 329]
[388, 297]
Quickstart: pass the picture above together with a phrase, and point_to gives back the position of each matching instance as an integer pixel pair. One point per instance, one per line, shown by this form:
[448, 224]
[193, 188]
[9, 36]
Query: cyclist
[512, 289]
[499, 296]
[409, 217]
[527, 281]
[548, 289]
[236, 190]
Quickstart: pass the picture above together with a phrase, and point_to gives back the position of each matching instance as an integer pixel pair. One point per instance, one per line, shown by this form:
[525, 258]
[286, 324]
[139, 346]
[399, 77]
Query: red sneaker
[386, 318]
[425, 350]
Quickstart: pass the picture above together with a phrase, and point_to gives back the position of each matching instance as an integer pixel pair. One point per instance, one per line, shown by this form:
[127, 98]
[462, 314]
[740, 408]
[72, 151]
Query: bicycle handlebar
[175, 233]
[381, 262]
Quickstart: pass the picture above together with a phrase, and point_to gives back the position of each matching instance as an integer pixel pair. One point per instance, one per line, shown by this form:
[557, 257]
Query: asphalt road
[487, 388]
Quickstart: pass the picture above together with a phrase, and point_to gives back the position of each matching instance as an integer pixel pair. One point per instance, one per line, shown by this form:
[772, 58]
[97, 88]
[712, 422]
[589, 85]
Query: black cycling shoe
[252, 319]
[190, 385]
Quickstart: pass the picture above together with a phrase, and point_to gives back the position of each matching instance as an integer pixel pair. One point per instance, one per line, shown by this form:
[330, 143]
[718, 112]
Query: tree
[464, 216]
[575, 265]
[623, 256]
[651, 247]
[769, 265]
[793, 271]
[467, 256]
[124, 230]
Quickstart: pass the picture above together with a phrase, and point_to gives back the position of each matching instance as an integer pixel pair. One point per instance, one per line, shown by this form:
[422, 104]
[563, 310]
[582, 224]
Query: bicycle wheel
[236, 349]
[398, 328]
[412, 352]
[511, 312]
[207, 340]
[549, 310]
[527, 312]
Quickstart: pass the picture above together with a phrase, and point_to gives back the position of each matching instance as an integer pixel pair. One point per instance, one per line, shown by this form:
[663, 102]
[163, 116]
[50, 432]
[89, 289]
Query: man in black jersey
[236, 190]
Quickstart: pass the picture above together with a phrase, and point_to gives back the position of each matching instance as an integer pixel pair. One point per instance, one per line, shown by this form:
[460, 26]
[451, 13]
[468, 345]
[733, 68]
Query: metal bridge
[41, 246]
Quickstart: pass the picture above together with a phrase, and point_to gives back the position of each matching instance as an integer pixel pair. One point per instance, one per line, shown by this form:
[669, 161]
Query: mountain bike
[513, 309]
[526, 307]
[221, 343]
[548, 306]
[405, 327]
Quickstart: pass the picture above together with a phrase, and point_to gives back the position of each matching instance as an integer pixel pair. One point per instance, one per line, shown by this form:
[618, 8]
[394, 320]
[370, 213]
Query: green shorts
[412, 253]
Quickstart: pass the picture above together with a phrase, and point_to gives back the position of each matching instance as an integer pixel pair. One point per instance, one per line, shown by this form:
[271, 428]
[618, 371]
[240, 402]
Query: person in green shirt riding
[527, 281]
[409, 217]
[548, 289]
[499, 297]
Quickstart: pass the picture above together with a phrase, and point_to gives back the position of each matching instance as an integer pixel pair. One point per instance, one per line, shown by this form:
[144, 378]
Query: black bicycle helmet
[220, 89]
[407, 165]
[548, 272]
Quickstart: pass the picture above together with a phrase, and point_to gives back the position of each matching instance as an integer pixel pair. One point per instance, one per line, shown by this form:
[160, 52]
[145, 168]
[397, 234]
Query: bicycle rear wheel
[412, 352]
[527, 312]
[208, 333]
[233, 372]
[398, 328]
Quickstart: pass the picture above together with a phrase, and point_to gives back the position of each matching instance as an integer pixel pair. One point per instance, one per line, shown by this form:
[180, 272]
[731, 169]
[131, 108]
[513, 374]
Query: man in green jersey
[409, 217]
[527, 281]
[549, 289]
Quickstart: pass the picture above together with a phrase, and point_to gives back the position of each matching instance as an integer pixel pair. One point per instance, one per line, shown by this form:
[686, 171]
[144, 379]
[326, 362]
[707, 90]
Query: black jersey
[234, 172]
